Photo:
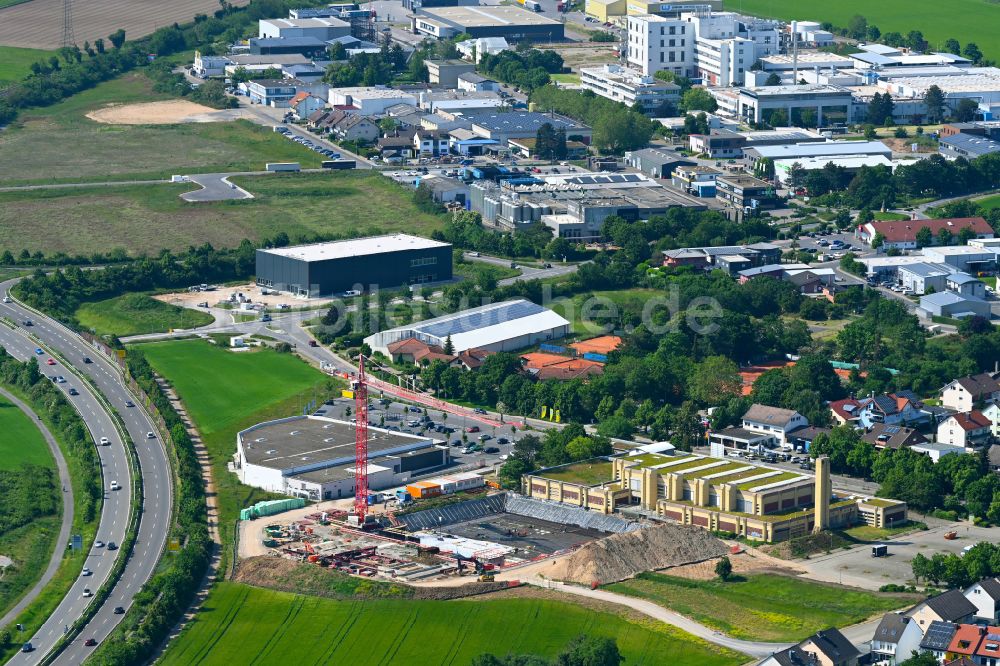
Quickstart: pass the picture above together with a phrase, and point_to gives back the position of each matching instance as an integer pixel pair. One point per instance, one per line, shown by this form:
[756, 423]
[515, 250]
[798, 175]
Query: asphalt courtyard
[857, 567]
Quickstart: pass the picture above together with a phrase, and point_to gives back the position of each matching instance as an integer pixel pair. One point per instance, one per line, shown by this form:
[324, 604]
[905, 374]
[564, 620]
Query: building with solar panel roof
[505, 326]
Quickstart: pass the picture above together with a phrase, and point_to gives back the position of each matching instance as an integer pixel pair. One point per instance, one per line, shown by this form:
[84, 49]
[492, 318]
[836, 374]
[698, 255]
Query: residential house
[936, 450]
[890, 409]
[773, 420]
[355, 127]
[967, 640]
[985, 596]
[988, 653]
[969, 429]
[399, 144]
[883, 436]
[896, 639]
[305, 104]
[950, 606]
[937, 638]
[824, 648]
[473, 82]
[846, 411]
[992, 412]
[969, 392]
[430, 142]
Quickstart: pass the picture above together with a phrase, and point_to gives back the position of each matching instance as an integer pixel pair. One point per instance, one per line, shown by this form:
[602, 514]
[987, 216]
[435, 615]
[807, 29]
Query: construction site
[482, 537]
[485, 536]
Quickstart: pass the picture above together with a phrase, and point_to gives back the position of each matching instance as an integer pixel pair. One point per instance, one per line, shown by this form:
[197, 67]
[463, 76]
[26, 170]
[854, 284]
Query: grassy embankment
[135, 314]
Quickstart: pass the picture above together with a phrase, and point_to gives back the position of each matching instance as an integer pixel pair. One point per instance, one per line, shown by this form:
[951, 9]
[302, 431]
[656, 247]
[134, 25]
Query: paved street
[214, 187]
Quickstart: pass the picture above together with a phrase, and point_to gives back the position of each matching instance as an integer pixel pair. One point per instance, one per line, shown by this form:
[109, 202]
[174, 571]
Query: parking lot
[857, 567]
[833, 243]
[473, 443]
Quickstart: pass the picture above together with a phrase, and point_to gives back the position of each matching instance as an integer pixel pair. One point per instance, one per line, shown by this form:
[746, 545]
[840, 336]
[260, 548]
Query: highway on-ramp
[156, 517]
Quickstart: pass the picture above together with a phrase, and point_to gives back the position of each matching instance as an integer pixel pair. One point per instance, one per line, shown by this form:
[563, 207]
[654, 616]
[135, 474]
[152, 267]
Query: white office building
[718, 47]
[629, 86]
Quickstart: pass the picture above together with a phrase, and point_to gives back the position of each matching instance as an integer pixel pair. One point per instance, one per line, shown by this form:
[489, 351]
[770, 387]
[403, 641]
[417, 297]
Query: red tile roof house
[902, 234]
[969, 429]
[412, 350]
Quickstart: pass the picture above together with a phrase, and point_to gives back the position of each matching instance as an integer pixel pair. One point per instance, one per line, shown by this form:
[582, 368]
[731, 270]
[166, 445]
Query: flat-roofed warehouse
[502, 326]
[513, 23]
[325, 269]
[313, 457]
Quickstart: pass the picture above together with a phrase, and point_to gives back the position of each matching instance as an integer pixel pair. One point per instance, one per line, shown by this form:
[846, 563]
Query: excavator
[485, 575]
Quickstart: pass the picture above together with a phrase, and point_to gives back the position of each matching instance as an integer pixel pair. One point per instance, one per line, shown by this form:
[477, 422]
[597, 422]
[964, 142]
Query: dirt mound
[623, 555]
[149, 113]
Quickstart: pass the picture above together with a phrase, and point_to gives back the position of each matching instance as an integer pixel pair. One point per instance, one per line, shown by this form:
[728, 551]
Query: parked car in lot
[491, 449]
[472, 429]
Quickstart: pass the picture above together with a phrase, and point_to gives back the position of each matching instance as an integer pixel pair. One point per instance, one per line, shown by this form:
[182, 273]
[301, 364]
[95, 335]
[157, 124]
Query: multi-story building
[721, 494]
[718, 47]
[742, 191]
[630, 86]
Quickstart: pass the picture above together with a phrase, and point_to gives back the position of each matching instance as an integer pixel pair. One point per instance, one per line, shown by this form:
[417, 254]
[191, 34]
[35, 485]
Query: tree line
[526, 70]
[582, 651]
[958, 571]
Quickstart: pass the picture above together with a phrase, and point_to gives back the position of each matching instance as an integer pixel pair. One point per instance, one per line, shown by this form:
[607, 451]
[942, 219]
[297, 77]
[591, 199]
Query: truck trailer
[283, 166]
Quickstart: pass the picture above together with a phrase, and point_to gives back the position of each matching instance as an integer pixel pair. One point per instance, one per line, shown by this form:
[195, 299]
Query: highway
[156, 475]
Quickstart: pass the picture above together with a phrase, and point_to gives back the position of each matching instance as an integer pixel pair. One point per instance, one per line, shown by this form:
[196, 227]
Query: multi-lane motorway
[155, 469]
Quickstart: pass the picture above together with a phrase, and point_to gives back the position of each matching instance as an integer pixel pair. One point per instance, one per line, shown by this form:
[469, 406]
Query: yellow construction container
[606, 10]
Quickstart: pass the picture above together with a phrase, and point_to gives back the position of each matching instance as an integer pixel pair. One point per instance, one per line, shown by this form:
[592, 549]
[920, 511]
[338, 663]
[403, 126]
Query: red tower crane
[361, 444]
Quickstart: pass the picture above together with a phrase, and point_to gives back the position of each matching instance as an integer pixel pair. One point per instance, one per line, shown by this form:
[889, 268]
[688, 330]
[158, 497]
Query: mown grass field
[761, 607]
[148, 218]
[594, 312]
[15, 63]
[241, 624]
[134, 314]
[60, 144]
[21, 443]
[228, 392]
[964, 20]
[989, 203]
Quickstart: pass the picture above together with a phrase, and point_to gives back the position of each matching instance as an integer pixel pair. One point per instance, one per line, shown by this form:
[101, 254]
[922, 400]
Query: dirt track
[167, 112]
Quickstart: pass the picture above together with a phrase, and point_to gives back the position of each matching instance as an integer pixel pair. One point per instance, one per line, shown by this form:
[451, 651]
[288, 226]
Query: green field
[21, 442]
[593, 313]
[148, 218]
[761, 607]
[989, 203]
[238, 621]
[228, 392]
[60, 144]
[964, 20]
[134, 314]
[15, 63]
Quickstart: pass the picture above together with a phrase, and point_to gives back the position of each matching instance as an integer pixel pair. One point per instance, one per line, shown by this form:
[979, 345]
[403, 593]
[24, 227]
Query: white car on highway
[115, 486]
[105, 441]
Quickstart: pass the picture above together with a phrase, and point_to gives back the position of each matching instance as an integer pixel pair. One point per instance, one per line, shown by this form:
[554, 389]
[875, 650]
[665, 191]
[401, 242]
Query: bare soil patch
[744, 563]
[167, 112]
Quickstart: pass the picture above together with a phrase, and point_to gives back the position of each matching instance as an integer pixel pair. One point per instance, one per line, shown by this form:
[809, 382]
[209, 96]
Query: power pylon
[68, 39]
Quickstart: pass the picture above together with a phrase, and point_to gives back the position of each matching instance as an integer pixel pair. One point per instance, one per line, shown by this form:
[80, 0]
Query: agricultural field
[148, 218]
[761, 607]
[15, 63]
[22, 442]
[964, 20]
[60, 144]
[239, 620]
[38, 23]
[134, 314]
[226, 392]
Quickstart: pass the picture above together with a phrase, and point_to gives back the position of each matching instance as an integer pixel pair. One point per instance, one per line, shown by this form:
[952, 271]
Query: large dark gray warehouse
[327, 269]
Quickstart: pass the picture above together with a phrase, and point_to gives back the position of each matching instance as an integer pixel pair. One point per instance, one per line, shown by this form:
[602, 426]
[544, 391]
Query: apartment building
[629, 86]
[718, 47]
